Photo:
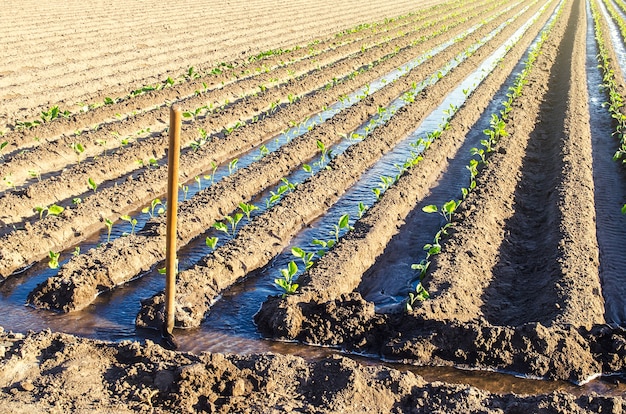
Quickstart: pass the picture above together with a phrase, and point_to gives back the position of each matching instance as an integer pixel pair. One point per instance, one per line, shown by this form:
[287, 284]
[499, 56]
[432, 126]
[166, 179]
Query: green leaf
[298, 252]
[221, 227]
[430, 208]
[624, 209]
[343, 221]
[450, 206]
[92, 184]
[55, 210]
[293, 268]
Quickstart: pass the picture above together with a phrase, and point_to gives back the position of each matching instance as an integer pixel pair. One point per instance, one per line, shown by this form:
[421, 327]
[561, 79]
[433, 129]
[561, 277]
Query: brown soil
[515, 288]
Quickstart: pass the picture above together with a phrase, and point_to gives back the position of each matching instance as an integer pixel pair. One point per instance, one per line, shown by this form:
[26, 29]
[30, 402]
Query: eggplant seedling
[325, 246]
[232, 221]
[78, 149]
[422, 267]
[53, 259]
[2, 146]
[35, 174]
[132, 221]
[342, 223]
[362, 209]
[92, 184]
[153, 205]
[286, 282]
[109, 225]
[232, 165]
[446, 211]
[185, 189]
[247, 209]
[307, 258]
[420, 294]
[211, 242]
[54, 209]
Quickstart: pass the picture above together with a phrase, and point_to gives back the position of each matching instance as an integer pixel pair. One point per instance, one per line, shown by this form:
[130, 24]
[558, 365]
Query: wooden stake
[172, 211]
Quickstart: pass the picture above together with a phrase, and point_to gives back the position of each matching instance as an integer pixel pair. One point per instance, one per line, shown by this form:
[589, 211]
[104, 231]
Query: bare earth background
[64, 54]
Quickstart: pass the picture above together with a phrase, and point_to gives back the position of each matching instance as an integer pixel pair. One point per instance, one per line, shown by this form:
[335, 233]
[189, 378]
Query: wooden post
[172, 206]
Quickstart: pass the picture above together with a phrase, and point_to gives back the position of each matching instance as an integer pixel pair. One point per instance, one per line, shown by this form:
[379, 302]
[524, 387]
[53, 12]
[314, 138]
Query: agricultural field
[390, 207]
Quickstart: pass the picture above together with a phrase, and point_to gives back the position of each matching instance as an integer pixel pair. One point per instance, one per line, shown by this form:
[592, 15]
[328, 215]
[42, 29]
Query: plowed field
[427, 184]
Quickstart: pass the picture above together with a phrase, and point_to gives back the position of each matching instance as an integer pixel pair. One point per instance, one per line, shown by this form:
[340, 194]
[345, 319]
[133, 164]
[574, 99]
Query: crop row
[377, 227]
[613, 81]
[202, 102]
[240, 256]
[196, 81]
[151, 179]
[204, 209]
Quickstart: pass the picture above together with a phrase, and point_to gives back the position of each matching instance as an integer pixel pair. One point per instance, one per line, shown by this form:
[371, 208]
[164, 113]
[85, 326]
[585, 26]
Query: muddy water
[609, 186]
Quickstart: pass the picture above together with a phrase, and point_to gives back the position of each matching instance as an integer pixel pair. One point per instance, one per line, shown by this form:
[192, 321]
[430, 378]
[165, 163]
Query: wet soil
[516, 287]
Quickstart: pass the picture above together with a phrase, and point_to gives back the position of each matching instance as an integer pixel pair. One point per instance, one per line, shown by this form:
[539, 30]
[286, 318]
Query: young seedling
[53, 259]
[286, 282]
[213, 170]
[211, 242]
[41, 210]
[35, 174]
[263, 151]
[78, 149]
[185, 189]
[55, 210]
[132, 221]
[8, 181]
[153, 205]
[446, 211]
[362, 209]
[92, 184]
[233, 221]
[420, 294]
[198, 181]
[325, 246]
[109, 225]
[247, 209]
[232, 165]
[325, 152]
[76, 201]
[343, 223]
[480, 153]
[304, 256]
[432, 249]
[422, 267]
[76, 251]
[2, 146]
[307, 168]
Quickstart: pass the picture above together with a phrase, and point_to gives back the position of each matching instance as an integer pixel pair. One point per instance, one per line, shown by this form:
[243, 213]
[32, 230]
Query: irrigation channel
[378, 124]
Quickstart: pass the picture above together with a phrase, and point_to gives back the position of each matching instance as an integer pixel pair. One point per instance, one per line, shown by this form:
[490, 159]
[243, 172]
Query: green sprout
[109, 225]
[247, 209]
[446, 211]
[132, 221]
[53, 261]
[420, 294]
[307, 258]
[287, 280]
[78, 149]
[92, 184]
[342, 223]
[153, 205]
[211, 242]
